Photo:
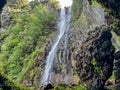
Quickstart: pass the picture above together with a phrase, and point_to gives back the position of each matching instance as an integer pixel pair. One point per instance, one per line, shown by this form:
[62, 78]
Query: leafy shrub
[23, 40]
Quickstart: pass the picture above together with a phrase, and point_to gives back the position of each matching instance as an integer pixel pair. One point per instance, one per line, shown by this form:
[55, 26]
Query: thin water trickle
[63, 25]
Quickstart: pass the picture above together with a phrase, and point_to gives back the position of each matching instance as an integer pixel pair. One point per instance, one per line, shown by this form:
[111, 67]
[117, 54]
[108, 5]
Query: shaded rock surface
[113, 18]
[117, 70]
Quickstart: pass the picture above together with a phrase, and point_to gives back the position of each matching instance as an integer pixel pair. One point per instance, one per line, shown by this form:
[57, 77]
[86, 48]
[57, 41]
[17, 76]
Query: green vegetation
[94, 62]
[17, 3]
[76, 9]
[94, 3]
[116, 41]
[7, 84]
[68, 87]
[112, 78]
[23, 40]
[96, 68]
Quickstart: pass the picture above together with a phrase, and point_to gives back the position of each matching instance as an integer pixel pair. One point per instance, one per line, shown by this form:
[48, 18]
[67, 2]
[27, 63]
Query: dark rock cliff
[113, 18]
[99, 50]
[95, 60]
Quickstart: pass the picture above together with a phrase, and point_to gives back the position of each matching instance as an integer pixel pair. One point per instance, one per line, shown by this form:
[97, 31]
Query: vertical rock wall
[95, 53]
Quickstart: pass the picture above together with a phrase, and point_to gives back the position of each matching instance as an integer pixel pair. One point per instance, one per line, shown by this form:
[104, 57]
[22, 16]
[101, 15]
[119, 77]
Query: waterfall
[63, 26]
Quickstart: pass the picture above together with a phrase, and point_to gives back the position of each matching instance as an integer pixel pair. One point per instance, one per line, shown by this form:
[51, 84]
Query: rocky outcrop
[95, 60]
[114, 21]
[89, 46]
[97, 51]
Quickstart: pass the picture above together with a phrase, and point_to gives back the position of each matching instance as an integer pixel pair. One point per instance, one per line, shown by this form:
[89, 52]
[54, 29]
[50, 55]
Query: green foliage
[68, 87]
[79, 88]
[17, 3]
[23, 40]
[94, 3]
[98, 69]
[93, 62]
[76, 9]
[7, 84]
[112, 78]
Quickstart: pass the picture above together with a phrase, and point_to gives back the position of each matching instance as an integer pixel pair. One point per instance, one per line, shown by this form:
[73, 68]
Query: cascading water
[63, 25]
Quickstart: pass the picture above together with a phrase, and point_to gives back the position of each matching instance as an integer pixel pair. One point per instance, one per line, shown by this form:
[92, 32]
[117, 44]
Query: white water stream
[63, 25]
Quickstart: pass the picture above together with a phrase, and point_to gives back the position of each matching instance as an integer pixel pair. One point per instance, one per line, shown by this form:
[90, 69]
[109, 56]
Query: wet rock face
[95, 60]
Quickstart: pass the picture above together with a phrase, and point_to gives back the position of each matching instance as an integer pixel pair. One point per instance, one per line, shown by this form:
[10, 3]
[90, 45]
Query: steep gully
[63, 25]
